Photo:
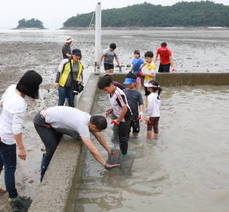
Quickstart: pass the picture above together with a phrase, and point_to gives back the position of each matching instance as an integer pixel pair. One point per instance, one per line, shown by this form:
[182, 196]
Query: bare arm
[69, 55]
[101, 59]
[171, 60]
[102, 141]
[22, 152]
[117, 60]
[96, 154]
[122, 114]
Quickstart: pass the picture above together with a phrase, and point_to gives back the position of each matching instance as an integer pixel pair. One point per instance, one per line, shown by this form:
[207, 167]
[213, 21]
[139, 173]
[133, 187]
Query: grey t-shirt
[75, 69]
[66, 50]
[134, 99]
[68, 120]
[109, 56]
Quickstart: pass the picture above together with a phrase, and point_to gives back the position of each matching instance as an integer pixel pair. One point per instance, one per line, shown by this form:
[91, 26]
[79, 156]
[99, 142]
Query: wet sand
[40, 50]
[186, 169]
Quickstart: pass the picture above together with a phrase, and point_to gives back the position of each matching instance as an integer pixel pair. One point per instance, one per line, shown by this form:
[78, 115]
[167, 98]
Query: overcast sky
[54, 12]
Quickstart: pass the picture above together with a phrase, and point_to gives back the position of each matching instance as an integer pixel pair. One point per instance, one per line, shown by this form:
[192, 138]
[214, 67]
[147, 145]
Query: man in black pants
[53, 122]
[120, 110]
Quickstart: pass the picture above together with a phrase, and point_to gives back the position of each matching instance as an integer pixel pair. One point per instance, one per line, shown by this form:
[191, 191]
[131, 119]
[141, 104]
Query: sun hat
[68, 39]
[29, 84]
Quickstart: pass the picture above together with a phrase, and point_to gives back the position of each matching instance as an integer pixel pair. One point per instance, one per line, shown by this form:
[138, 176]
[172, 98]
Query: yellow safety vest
[66, 71]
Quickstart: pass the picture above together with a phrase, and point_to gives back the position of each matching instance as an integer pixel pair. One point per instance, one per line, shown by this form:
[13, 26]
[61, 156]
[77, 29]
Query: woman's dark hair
[156, 87]
[99, 121]
[113, 46]
[164, 44]
[137, 52]
[105, 81]
[149, 54]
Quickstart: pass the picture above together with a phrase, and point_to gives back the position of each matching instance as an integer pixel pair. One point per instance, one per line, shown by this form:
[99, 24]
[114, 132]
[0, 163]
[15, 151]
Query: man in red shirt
[165, 58]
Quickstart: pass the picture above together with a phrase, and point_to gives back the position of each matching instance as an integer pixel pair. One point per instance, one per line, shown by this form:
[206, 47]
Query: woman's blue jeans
[8, 159]
[66, 93]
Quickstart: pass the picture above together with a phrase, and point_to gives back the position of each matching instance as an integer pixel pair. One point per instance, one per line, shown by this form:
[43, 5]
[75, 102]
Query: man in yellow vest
[69, 70]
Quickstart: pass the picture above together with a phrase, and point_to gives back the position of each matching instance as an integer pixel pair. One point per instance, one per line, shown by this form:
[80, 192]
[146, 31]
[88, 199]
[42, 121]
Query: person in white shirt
[53, 122]
[13, 109]
[120, 110]
[153, 109]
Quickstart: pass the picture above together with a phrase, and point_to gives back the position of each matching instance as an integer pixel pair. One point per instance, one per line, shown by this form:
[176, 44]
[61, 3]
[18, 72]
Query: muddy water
[186, 169]
[40, 50]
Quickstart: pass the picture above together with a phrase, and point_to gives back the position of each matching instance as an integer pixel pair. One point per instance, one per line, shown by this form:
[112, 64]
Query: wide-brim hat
[29, 84]
[68, 39]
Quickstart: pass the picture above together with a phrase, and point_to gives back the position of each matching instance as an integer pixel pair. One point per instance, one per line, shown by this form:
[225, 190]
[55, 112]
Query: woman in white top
[153, 109]
[13, 108]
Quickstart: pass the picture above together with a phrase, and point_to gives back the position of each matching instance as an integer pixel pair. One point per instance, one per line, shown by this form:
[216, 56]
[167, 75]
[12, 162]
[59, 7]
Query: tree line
[204, 13]
[32, 23]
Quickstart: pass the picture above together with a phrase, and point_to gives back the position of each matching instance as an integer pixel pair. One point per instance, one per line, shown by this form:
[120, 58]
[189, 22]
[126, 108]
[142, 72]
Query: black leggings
[49, 137]
[123, 134]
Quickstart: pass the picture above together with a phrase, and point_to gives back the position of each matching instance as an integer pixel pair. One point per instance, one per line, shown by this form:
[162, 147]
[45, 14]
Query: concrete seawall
[56, 188]
[53, 192]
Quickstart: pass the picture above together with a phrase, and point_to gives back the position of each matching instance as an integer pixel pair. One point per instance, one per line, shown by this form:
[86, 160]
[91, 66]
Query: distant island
[183, 14]
[32, 23]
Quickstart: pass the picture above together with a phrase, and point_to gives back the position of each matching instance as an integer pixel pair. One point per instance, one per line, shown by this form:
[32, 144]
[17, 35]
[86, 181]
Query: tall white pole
[98, 51]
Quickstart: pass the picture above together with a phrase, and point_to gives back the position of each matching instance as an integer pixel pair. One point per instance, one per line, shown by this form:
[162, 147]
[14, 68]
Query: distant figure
[166, 59]
[148, 71]
[69, 70]
[53, 122]
[136, 65]
[108, 56]
[13, 107]
[66, 50]
[135, 102]
[153, 110]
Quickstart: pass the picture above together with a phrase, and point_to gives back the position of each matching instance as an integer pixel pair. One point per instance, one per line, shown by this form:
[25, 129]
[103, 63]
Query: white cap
[68, 39]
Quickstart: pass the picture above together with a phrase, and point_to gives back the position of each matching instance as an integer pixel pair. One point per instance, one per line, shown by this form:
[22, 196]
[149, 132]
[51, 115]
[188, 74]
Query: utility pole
[98, 17]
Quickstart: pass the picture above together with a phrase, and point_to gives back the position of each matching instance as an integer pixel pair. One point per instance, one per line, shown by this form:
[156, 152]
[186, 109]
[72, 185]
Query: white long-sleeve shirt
[153, 108]
[12, 115]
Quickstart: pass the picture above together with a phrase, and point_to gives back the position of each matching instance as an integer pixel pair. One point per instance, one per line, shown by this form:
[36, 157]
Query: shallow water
[195, 50]
[186, 169]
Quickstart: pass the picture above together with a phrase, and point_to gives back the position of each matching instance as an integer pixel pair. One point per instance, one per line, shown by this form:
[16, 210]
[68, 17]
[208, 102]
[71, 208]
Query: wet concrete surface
[186, 169]
[40, 50]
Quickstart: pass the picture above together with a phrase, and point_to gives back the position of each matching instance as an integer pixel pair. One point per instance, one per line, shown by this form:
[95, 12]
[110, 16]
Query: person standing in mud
[13, 109]
[69, 70]
[108, 56]
[166, 59]
[66, 49]
[53, 122]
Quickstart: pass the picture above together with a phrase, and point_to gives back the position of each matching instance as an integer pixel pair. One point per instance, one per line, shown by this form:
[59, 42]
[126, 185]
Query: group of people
[51, 123]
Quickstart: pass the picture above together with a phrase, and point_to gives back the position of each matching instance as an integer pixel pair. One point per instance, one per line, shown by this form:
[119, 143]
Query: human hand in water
[22, 154]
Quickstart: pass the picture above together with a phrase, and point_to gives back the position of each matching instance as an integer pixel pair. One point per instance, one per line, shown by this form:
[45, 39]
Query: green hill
[32, 23]
[204, 13]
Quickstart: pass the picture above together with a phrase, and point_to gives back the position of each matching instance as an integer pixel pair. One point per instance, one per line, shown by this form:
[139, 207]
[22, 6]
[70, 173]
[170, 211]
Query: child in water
[136, 65]
[148, 71]
[135, 102]
[153, 109]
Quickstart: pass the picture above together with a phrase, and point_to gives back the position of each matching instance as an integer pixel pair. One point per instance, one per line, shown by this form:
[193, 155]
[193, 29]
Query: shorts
[147, 93]
[108, 66]
[153, 124]
[135, 125]
[164, 68]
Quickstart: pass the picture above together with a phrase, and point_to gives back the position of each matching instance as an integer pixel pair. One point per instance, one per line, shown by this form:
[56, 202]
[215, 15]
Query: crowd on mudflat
[128, 110]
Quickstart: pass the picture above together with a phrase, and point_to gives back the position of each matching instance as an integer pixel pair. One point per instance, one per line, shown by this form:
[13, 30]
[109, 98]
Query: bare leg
[150, 134]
